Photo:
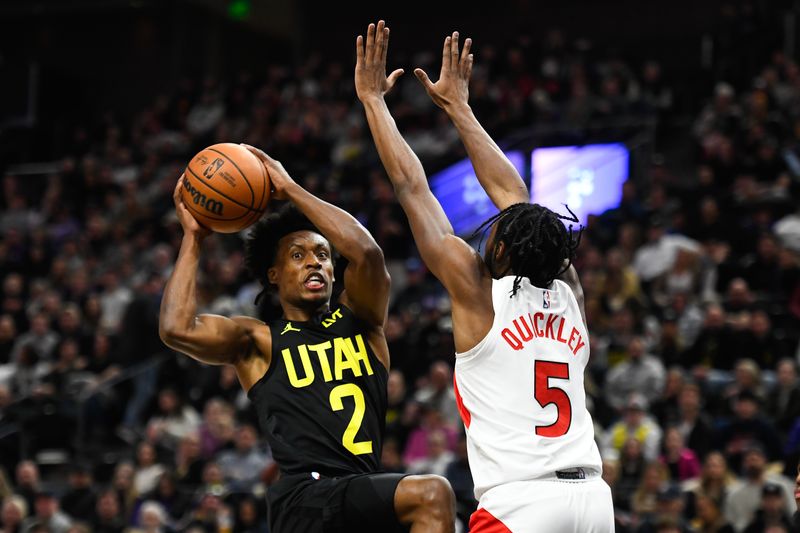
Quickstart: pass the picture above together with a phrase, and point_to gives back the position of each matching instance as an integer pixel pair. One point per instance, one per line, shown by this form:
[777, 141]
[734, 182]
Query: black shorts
[300, 503]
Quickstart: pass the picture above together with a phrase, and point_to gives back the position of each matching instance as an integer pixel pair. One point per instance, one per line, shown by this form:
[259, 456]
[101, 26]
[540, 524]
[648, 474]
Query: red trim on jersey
[482, 521]
[465, 415]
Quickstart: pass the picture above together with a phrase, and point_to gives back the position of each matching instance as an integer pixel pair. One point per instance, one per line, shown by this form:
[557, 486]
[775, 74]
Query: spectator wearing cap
[12, 514]
[47, 514]
[745, 429]
[79, 500]
[743, 502]
[772, 511]
[669, 509]
[636, 424]
[639, 373]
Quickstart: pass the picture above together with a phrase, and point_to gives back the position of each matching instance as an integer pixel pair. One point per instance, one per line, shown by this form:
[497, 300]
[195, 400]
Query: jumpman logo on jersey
[289, 328]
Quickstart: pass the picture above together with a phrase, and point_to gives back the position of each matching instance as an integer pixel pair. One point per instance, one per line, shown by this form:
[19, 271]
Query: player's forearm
[401, 163]
[341, 229]
[496, 174]
[179, 301]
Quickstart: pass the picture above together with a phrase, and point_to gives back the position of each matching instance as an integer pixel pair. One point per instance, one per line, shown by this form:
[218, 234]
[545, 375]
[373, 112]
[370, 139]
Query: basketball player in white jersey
[520, 333]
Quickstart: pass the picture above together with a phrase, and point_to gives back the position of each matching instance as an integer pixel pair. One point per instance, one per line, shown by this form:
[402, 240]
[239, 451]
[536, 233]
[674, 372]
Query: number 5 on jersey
[545, 395]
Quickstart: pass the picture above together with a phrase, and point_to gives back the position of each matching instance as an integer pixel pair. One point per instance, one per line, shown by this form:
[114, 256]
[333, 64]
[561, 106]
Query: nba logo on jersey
[546, 299]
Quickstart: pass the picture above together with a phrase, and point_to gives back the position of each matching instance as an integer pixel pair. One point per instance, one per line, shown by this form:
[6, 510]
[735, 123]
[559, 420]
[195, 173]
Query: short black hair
[538, 245]
[261, 245]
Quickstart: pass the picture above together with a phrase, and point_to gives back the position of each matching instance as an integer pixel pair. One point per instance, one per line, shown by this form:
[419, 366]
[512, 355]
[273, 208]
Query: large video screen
[462, 197]
[587, 178]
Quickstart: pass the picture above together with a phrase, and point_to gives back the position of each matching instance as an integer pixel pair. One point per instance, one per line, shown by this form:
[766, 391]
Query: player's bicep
[366, 286]
[212, 339]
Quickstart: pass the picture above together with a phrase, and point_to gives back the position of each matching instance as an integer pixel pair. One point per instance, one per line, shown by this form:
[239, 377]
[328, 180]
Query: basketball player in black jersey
[317, 376]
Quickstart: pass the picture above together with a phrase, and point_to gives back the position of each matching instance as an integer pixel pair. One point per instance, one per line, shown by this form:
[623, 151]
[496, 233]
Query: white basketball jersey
[520, 390]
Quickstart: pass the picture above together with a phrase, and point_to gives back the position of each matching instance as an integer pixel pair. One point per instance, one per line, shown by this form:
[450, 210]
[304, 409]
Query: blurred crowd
[692, 297]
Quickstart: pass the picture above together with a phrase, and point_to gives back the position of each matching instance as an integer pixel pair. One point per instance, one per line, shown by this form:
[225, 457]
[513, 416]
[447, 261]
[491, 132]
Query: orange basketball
[226, 188]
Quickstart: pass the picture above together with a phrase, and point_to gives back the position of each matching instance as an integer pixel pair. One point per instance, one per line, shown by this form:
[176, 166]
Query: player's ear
[272, 275]
[499, 251]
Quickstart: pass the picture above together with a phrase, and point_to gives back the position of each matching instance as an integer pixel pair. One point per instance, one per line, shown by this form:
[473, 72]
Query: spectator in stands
[169, 496]
[122, 484]
[392, 457]
[418, 445]
[631, 469]
[151, 519]
[772, 511]
[108, 513]
[741, 504]
[12, 514]
[27, 482]
[47, 515]
[40, 338]
[217, 428]
[438, 393]
[79, 501]
[248, 518]
[148, 471]
[715, 481]
[437, 458]
[709, 516]
[174, 420]
[644, 498]
[640, 373]
[783, 401]
[681, 462]
[245, 465]
[460, 478]
[8, 334]
[636, 423]
[188, 461]
[746, 429]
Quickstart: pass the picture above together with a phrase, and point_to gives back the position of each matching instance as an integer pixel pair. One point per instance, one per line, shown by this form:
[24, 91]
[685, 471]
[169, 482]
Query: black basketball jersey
[322, 403]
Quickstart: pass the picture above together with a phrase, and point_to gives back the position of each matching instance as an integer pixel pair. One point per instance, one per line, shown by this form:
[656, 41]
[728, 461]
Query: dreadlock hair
[537, 244]
[261, 245]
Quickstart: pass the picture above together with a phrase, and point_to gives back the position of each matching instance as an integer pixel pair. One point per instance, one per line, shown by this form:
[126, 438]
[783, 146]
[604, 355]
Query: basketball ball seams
[244, 177]
[189, 168]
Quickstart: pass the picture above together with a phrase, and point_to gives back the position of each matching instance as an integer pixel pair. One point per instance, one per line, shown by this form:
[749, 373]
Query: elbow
[170, 335]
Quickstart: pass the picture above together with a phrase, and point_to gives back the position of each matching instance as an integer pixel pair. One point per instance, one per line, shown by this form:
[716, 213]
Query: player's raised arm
[456, 264]
[496, 174]
[366, 280]
[211, 339]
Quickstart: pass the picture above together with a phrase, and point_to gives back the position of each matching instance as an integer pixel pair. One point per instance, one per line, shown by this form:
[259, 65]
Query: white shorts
[547, 506]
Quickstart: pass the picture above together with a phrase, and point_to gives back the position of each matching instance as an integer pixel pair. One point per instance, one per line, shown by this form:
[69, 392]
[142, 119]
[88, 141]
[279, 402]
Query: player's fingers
[385, 49]
[379, 39]
[359, 50]
[446, 54]
[468, 73]
[176, 194]
[370, 51]
[465, 54]
[423, 78]
[259, 154]
[454, 50]
[392, 79]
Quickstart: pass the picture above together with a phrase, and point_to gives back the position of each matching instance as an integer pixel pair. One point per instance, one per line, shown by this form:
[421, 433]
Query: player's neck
[303, 313]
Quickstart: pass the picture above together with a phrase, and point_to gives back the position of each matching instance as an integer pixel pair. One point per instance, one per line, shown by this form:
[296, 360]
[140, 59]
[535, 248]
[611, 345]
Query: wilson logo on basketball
[212, 169]
[198, 198]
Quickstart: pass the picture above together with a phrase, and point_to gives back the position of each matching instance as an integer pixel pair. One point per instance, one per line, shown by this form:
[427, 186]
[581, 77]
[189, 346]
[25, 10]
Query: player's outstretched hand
[371, 79]
[279, 179]
[190, 225]
[453, 85]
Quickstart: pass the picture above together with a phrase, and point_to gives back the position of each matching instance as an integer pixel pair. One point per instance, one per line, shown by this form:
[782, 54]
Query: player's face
[303, 269]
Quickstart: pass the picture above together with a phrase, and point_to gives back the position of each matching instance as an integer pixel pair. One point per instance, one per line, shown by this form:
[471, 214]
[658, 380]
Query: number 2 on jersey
[349, 437]
[545, 395]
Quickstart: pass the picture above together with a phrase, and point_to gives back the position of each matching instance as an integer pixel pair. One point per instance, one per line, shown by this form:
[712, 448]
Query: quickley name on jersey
[322, 403]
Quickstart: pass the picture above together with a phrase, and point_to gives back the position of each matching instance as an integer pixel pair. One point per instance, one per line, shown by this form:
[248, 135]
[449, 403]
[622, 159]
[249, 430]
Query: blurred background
[674, 127]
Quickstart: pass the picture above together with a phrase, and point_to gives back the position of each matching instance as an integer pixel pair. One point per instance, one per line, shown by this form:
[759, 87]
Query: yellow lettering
[323, 358]
[344, 358]
[330, 321]
[307, 368]
[361, 353]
